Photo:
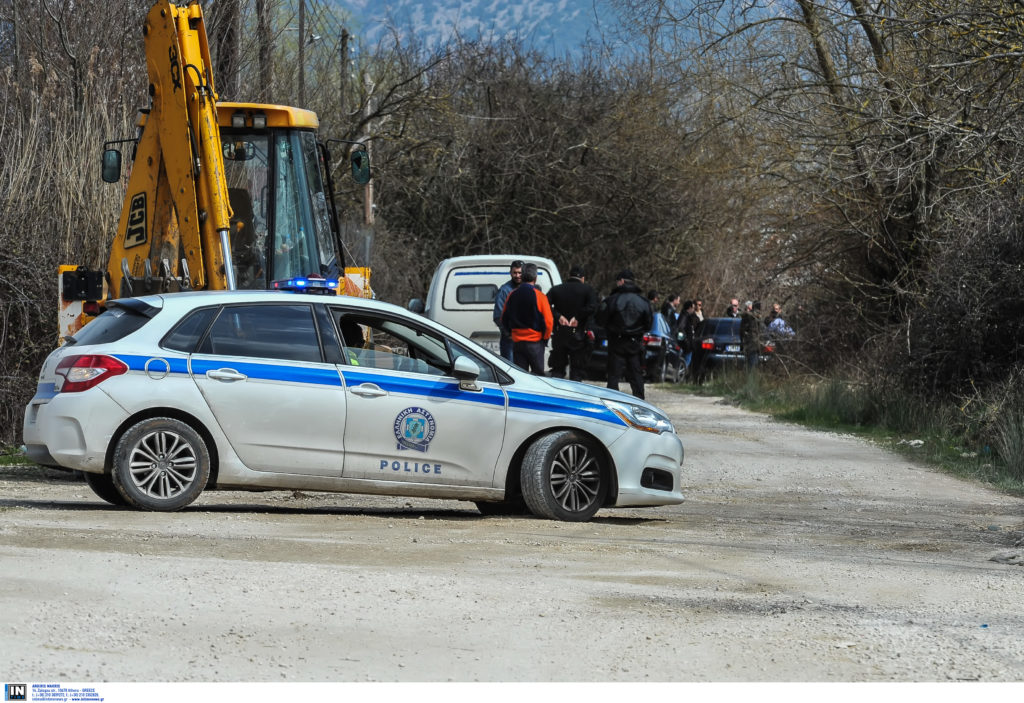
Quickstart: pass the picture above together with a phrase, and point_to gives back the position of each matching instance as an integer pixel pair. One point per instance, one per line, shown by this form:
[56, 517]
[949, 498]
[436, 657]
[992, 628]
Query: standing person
[573, 303]
[733, 310]
[697, 337]
[626, 315]
[671, 311]
[527, 316]
[687, 330]
[654, 298]
[777, 327]
[515, 272]
[750, 335]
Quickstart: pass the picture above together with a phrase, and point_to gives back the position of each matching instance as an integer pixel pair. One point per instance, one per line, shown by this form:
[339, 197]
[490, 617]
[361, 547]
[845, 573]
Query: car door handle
[369, 390]
[225, 375]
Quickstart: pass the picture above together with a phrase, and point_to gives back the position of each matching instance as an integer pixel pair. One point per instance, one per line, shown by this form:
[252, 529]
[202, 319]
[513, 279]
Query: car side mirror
[111, 171]
[466, 371]
[360, 160]
[416, 305]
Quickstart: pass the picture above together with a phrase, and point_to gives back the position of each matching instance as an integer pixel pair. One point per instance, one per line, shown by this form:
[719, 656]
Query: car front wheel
[563, 477]
[161, 464]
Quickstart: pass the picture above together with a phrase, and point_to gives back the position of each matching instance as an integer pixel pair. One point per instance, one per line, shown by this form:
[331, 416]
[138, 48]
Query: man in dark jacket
[573, 303]
[627, 316]
[515, 273]
[527, 316]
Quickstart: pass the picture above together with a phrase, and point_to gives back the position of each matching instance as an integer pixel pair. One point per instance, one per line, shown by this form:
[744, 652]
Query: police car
[164, 396]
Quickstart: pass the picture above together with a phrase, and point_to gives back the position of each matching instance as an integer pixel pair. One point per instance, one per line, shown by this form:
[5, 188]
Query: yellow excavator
[221, 195]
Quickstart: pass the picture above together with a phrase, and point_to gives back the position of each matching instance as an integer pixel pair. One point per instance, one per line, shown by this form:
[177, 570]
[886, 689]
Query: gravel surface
[798, 556]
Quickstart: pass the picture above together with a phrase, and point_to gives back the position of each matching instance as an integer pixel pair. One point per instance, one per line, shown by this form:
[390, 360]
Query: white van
[463, 289]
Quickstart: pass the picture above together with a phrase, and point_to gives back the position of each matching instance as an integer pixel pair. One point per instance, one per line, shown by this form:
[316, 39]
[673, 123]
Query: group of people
[754, 331]
[527, 319]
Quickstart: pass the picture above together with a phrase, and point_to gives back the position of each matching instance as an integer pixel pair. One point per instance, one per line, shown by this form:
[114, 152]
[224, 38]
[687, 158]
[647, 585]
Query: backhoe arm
[176, 204]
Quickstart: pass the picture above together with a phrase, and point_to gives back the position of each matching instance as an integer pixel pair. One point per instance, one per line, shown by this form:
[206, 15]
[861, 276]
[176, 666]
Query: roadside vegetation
[971, 438]
[857, 162]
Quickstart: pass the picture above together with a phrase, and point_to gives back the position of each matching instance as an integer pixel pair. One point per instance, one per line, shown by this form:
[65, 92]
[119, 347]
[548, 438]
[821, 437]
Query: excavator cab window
[281, 227]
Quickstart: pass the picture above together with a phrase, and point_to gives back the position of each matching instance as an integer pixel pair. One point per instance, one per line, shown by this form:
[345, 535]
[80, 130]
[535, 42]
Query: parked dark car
[663, 360]
[721, 346]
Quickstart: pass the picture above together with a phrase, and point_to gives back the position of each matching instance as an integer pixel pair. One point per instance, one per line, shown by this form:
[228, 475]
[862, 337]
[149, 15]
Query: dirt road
[798, 556]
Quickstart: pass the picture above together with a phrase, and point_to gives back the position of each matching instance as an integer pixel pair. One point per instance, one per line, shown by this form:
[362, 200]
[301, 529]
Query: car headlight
[641, 417]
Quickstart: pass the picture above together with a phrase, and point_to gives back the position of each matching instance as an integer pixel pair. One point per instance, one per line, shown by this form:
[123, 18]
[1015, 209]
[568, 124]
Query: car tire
[677, 371]
[661, 372]
[103, 486]
[161, 464]
[563, 477]
[505, 507]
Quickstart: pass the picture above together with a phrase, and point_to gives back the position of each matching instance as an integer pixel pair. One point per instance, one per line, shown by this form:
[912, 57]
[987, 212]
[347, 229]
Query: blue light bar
[323, 286]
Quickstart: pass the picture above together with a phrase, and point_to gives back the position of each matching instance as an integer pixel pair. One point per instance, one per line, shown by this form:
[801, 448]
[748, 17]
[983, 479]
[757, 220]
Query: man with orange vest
[527, 313]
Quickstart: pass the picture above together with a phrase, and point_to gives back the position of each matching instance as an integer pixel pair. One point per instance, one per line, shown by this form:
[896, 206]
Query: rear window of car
[115, 324]
[187, 333]
[268, 331]
[722, 326]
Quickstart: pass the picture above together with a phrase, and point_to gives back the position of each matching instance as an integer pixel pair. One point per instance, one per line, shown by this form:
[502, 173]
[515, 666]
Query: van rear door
[467, 300]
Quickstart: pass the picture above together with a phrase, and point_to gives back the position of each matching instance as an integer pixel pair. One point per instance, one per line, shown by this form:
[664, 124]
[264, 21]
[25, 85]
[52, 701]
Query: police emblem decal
[414, 429]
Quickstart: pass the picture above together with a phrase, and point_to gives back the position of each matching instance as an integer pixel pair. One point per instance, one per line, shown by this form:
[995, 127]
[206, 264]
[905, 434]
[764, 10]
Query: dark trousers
[529, 356]
[625, 356]
[573, 354]
[505, 348]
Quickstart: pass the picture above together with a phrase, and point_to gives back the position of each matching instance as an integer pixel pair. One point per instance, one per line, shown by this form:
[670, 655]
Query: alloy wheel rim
[163, 464]
[575, 478]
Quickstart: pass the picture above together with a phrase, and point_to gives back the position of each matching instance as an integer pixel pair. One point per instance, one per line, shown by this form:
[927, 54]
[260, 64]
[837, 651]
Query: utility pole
[344, 71]
[302, 53]
[367, 110]
[266, 42]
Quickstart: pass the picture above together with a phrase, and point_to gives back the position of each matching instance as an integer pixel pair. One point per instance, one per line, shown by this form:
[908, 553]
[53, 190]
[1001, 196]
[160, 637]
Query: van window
[477, 293]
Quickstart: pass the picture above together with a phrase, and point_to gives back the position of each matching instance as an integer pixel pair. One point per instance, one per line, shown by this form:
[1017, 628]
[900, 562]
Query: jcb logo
[172, 54]
[135, 233]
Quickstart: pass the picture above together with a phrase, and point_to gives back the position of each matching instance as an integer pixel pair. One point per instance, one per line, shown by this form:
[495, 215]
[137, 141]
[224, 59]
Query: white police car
[163, 396]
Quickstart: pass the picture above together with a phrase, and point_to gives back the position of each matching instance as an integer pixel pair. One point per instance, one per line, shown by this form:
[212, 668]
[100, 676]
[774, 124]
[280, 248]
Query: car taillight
[769, 347]
[653, 340]
[708, 344]
[84, 371]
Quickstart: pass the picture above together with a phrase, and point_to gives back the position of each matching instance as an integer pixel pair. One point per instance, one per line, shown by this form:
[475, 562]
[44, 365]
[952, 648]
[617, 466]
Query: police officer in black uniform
[627, 316]
[573, 303]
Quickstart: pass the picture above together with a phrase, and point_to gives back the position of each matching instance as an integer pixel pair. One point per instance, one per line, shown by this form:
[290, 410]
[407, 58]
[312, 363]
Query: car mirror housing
[466, 370]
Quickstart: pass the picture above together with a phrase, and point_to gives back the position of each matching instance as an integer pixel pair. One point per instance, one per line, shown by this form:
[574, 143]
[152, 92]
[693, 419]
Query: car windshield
[660, 326]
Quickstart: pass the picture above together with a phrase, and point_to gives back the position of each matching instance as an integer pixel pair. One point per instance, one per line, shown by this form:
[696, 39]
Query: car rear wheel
[161, 464]
[103, 486]
[515, 506]
[661, 370]
[677, 371]
[563, 477]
